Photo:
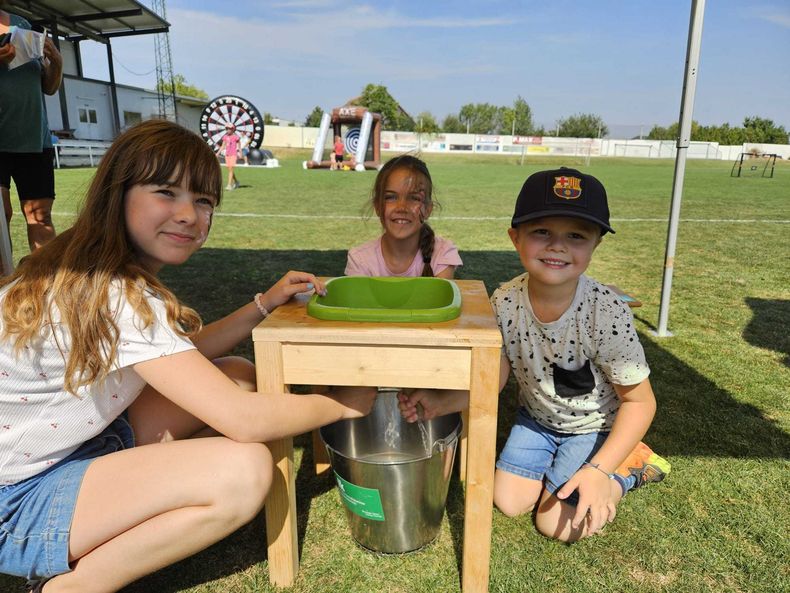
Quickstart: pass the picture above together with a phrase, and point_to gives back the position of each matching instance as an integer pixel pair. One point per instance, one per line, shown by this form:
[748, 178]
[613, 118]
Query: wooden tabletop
[475, 327]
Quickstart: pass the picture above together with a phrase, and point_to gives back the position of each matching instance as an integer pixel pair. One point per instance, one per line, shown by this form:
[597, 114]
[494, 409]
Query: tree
[764, 131]
[539, 131]
[755, 129]
[481, 118]
[671, 132]
[484, 118]
[660, 133]
[267, 118]
[377, 99]
[426, 123]
[183, 88]
[452, 125]
[582, 125]
[518, 119]
[314, 119]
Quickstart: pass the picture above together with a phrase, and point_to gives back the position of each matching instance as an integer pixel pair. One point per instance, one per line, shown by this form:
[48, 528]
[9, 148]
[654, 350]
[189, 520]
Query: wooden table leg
[320, 456]
[464, 445]
[478, 513]
[280, 508]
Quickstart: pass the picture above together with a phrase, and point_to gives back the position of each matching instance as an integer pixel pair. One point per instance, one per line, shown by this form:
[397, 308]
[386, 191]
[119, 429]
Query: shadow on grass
[695, 417]
[768, 326]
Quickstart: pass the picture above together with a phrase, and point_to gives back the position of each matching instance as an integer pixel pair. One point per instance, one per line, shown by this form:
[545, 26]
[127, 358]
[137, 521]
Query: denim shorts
[35, 514]
[539, 453]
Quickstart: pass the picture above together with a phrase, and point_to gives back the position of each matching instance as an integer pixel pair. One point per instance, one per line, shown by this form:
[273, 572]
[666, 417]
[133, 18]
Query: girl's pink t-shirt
[339, 147]
[368, 260]
[231, 143]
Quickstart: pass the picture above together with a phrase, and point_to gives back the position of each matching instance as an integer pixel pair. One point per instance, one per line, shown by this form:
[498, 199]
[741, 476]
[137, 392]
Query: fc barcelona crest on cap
[568, 188]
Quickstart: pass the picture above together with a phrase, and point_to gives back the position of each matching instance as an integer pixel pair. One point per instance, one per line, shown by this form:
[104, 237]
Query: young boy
[585, 398]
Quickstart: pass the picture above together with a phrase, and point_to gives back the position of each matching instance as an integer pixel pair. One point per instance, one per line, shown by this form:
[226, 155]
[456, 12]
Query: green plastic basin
[365, 298]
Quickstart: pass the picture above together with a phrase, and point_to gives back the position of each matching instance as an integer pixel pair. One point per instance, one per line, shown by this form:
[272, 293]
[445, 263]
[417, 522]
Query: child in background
[402, 198]
[337, 153]
[229, 146]
[107, 376]
[585, 396]
[244, 148]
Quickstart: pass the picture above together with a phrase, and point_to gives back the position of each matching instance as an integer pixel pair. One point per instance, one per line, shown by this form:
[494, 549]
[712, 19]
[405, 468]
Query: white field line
[475, 218]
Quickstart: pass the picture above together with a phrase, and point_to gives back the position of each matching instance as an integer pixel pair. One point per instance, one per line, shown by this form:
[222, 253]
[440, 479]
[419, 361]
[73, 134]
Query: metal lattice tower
[164, 68]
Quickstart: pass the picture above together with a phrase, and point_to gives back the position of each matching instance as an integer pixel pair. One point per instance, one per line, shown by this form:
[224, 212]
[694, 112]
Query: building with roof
[91, 109]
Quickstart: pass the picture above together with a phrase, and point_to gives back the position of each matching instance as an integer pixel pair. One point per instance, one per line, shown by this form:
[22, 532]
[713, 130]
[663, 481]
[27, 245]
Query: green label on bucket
[365, 502]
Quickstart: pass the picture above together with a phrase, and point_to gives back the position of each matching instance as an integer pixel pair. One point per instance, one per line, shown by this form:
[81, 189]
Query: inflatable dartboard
[231, 110]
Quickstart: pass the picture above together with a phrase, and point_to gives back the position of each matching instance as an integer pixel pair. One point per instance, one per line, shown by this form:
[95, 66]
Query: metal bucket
[393, 476]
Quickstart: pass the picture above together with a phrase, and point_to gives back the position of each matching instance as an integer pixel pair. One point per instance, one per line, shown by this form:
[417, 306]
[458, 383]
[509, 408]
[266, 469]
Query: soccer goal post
[749, 164]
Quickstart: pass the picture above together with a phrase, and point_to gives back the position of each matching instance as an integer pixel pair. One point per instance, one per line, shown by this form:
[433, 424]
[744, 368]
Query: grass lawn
[722, 382]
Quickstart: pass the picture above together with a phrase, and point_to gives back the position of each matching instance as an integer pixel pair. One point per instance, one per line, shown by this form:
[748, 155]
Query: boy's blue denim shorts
[35, 514]
[539, 453]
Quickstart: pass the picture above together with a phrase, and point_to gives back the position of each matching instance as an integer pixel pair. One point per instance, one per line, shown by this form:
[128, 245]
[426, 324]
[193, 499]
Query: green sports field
[720, 520]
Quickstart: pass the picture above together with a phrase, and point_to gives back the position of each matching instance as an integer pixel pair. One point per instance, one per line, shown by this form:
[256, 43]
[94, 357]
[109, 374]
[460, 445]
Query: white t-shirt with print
[40, 423]
[566, 369]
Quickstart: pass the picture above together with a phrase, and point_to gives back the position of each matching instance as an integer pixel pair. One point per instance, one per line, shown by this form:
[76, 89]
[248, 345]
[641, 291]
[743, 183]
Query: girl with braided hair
[402, 198]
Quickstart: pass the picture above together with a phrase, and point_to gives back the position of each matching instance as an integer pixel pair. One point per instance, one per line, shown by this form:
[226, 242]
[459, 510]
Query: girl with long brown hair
[105, 377]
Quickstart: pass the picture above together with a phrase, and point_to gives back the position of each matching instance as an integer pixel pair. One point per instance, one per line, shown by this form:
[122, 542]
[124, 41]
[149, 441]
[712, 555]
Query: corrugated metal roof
[94, 19]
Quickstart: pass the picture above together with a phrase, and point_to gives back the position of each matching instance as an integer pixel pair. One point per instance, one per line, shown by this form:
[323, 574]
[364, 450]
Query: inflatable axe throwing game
[362, 139]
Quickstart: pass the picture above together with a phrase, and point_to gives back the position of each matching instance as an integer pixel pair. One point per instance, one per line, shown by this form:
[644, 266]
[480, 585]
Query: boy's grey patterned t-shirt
[566, 369]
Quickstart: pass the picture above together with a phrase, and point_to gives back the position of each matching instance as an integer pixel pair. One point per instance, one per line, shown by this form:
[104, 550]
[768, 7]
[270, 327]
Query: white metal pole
[684, 137]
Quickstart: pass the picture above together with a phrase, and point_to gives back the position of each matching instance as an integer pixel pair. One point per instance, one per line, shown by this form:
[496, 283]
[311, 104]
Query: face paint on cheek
[208, 218]
[423, 213]
[416, 210]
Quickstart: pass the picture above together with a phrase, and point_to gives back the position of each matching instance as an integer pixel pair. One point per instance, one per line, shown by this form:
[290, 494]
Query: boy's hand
[357, 401]
[416, 405]
[289, 285]
[596, 504]
[426, 404]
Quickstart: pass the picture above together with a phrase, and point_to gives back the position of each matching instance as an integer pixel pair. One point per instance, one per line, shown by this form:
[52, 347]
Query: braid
[427, 241]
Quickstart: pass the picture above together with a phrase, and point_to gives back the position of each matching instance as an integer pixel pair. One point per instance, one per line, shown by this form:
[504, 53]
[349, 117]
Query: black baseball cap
[562, 192]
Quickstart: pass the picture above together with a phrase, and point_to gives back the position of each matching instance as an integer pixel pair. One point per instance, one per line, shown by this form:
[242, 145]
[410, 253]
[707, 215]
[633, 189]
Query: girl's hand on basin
[292, 283]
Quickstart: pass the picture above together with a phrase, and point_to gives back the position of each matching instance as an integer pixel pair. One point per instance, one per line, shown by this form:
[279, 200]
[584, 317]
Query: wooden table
[293, 348]
[628, 299]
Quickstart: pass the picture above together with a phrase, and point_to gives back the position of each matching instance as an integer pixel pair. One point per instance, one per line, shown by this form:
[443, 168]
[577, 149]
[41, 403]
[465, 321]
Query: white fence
[79, 153]
[301, 137]
[82, 153]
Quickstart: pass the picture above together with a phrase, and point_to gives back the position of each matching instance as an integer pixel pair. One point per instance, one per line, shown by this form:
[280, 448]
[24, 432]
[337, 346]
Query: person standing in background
[229, 146]
[337, 152]
[26, 151]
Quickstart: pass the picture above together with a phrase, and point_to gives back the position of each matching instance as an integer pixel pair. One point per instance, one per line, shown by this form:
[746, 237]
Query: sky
[621, 60]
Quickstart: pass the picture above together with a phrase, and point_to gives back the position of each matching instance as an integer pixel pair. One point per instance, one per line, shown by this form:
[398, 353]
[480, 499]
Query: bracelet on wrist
[598, 467]
[258, 300]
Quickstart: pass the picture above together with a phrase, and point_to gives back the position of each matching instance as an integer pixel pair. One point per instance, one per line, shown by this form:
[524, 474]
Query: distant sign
[527, 140]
